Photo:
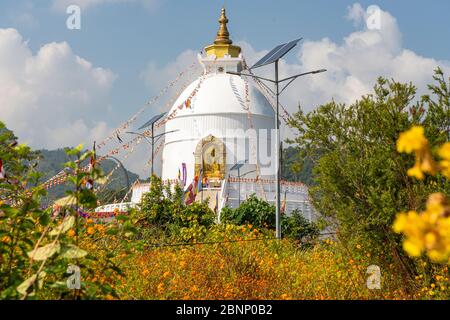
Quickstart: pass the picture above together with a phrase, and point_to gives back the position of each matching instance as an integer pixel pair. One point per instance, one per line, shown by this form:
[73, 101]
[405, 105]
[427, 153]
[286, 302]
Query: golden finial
[223, 36]
[223, 45]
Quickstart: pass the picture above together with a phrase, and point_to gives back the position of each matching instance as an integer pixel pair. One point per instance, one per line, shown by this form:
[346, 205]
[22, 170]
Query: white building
[220, 120]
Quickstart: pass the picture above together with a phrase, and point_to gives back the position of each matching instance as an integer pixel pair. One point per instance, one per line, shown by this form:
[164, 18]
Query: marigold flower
[71, 233]
[90, 230]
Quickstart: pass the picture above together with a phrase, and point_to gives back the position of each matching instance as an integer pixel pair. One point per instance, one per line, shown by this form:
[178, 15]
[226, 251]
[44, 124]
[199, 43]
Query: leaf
[24, 286]
[44, 219]
[75, 151]
[64, 226]
[45, 252]
[73, 252]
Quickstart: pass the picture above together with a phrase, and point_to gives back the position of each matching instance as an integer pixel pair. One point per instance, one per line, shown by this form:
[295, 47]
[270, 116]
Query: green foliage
[296, 227]
[50, 162]
[36, 246]
[261, 215]
[254, 211]
[296, 168]
[19, 213]
[360, 179]
[163, 210]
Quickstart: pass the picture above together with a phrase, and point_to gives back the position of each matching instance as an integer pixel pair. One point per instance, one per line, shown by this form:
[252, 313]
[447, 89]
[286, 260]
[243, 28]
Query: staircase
[211, 194]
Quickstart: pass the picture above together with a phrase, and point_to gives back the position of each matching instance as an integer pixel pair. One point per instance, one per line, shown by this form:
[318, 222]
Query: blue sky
[124, 37]
[129, 38]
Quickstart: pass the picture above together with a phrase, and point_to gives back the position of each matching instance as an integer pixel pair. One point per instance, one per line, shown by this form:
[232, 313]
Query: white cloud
[61, 5]
[353, 65]
[356, 13]
[52, 98]
[157, 77]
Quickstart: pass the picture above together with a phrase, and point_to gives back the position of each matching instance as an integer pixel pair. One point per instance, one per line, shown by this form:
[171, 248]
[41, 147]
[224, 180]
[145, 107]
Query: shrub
[254, 211]
[296, 227]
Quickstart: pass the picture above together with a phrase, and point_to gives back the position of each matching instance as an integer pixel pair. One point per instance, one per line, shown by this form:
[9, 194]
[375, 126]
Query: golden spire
[223, 36]
[223, 45]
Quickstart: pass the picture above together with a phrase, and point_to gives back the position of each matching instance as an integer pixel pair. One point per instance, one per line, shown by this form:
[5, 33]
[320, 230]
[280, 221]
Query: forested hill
[295, 169]
[51, 162]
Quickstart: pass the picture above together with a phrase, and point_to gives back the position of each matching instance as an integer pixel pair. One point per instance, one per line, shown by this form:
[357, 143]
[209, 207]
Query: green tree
[296, 227]
[254, 211]
[360, 179]
[164, 214]
[295, 168]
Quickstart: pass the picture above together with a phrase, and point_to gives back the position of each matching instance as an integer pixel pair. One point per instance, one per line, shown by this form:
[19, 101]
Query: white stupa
[216, 129]
[221, 120]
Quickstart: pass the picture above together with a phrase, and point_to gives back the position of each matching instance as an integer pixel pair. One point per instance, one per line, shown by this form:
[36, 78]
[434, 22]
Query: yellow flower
[428, 231]
[416, 172]
[194, 288]
[428, 164]
[445, 168]
[430, 240]
[90, 230]
[412, 140]
[71, 233]
[413, 248]
[444, 151]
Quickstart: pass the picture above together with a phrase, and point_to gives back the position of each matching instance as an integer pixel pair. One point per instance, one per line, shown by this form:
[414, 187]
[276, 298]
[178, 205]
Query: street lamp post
[274, 56]
[239, 186]
[239, 182]
[238, 167]
[277, 157]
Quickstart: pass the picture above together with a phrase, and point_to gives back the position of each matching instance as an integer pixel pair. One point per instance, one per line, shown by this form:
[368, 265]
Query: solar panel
[237, 166]
[152, 120]
[276, 54]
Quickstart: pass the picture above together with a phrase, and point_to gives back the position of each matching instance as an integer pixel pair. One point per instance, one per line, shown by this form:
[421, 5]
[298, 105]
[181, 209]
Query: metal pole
[201, 173]
[153, 145]
[277, 156]
[239, 186]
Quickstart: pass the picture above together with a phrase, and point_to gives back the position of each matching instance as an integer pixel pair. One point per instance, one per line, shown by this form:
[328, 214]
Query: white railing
[121, 207]
[223, 198]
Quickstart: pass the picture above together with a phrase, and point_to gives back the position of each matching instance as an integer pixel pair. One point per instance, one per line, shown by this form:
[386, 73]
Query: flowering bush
[428, 231]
